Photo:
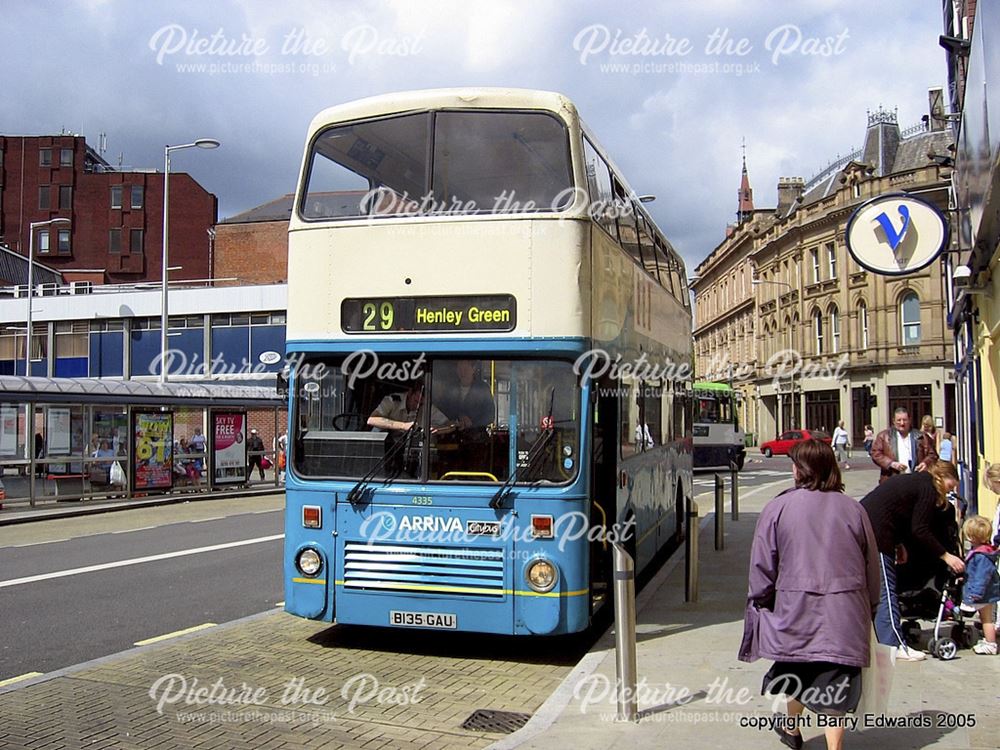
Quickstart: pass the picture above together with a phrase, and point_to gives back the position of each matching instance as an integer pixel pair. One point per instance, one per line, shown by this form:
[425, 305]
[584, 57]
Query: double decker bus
[483, 329]
[719, 441]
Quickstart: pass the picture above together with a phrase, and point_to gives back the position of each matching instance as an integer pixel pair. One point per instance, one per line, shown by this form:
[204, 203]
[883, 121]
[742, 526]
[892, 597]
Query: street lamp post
[31, 283]
[200, 143]
[791, 378]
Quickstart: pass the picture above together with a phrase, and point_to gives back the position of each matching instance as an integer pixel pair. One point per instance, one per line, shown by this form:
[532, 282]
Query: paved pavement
[257, 680]
[694, 646]
[256, 683]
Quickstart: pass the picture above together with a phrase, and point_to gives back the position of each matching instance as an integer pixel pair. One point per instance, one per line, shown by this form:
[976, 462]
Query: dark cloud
[132, 71]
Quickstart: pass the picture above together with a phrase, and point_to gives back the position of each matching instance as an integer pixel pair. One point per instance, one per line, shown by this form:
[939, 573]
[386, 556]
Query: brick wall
[253, 252]
[193, 211]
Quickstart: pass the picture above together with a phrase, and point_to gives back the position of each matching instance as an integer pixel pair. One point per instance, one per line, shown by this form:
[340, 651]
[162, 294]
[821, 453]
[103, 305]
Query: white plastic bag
[876, 678]
[117, 475]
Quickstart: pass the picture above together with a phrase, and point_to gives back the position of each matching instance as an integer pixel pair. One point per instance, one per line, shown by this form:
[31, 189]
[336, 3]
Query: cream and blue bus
[487, 344]
[719, 441]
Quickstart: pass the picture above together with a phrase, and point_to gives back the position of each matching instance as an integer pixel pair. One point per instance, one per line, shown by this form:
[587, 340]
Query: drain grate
[485, 720]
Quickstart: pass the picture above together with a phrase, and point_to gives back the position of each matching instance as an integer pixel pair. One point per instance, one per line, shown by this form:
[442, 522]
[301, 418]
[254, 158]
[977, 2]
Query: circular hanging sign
[896, 234]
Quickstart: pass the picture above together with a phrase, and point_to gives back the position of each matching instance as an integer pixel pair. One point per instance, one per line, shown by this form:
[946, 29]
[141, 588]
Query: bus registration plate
[424, 620]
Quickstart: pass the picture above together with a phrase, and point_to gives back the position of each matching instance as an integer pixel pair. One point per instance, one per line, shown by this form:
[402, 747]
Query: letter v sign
[890, 231]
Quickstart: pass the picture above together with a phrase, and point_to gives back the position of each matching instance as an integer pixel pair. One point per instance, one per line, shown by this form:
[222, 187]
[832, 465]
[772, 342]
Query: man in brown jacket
[899, 449]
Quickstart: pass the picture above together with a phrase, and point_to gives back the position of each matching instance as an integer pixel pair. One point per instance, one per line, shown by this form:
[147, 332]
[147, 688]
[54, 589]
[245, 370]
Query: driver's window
[471, 397]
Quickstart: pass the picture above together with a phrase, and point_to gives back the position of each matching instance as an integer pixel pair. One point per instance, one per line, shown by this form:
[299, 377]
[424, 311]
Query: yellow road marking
[196, 628]
[19, 678]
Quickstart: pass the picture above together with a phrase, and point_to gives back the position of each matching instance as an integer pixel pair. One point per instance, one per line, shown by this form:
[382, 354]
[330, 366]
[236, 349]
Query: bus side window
[667, 413]
[629, 418]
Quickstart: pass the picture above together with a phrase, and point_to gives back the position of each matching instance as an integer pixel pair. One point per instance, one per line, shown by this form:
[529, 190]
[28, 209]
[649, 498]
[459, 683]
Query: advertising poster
[57, 436]
[229, 447]
[8, 431]
[153, 449]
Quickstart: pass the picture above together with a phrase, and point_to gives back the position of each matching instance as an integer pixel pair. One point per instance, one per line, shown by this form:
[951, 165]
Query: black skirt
[822, 687]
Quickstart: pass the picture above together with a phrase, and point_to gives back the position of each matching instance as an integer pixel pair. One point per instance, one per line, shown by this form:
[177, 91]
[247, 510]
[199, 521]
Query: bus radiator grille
[469, 571]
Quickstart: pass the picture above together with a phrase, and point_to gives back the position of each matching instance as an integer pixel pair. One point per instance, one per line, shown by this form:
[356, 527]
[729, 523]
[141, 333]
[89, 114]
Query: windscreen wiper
[537, 449]
[356, 493]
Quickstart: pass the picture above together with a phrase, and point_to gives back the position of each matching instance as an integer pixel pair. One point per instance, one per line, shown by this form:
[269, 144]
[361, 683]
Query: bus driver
[398, 412]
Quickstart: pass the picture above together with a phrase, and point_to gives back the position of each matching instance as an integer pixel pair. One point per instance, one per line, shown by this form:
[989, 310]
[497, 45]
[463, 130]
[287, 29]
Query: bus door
[604, 481]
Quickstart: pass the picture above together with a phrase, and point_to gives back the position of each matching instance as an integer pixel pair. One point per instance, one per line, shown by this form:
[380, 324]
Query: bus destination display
[456, 314]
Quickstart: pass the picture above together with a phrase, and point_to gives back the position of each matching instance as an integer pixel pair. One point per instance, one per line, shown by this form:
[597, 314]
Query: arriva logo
[430, 523]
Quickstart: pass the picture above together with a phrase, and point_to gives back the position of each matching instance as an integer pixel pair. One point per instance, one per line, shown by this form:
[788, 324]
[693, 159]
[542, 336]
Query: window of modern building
[834, 329]
[137, 196]
[814, 254]
[818, 330]
[135, 241]
[72, 347]
[45, 157]
[116, 196]
[863, 325]
[43, 241]
[65, 197]
[909, 315]
[114, 240]
[44, 201]
[831, 253]
[64, 242]
[66, 157]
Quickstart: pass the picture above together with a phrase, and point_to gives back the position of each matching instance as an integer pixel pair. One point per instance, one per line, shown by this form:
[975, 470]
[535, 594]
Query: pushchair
[937, 600]
[932, 592]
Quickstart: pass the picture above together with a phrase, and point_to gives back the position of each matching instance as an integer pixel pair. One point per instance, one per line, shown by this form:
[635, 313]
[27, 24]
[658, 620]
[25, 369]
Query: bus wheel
[767, 453]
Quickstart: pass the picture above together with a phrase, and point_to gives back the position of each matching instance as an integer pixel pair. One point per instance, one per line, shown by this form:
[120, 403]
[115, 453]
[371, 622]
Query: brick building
[115, 234]
[252, 247]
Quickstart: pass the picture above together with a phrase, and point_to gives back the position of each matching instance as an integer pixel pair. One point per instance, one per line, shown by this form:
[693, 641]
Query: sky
[671, 89]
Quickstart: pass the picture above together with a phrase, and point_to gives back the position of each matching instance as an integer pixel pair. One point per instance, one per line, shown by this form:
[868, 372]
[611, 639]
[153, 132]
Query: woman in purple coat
[814, 584]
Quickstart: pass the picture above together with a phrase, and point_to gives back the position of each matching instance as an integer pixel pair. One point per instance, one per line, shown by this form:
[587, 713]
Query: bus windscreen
[440, 163]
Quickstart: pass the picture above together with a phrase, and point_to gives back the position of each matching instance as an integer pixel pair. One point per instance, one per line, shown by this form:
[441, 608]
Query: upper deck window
[440, 163]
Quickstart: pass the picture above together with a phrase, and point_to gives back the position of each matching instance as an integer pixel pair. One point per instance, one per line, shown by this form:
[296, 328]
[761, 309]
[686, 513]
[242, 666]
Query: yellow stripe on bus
[309, 580]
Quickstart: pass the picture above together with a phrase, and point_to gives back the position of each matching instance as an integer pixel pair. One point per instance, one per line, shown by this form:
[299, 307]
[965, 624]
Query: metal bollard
[624, 575]
[734, 475]
[720, 514]
[691, 554]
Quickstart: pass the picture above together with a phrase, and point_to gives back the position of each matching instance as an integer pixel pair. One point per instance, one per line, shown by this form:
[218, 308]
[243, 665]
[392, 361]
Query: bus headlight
[309, 562]
[541, 576]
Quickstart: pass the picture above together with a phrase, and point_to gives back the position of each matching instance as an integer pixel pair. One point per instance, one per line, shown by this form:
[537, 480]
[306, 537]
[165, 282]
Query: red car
[784, 442]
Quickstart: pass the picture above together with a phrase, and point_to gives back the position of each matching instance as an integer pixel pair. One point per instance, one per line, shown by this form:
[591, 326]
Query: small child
[982, 580]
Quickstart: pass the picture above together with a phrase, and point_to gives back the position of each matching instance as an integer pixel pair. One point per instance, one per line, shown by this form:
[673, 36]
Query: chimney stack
[789, 190]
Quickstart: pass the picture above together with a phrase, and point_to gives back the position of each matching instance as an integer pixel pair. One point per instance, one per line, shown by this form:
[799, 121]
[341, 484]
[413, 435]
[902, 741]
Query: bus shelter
[78, 439]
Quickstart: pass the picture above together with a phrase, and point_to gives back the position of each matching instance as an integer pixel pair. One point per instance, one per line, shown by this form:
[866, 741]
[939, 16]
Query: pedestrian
[899, 449]
[840, 440]
[40, 469]
[814, 581]
[869, 438]
[946, 448]
[281, 444]
[991, 480]
[255, 454]
[197, 443]
[910, 514]
[982, 581]
[928, 428]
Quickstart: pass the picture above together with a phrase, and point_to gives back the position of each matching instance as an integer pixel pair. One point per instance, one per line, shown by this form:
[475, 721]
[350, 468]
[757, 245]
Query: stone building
[806, 335]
